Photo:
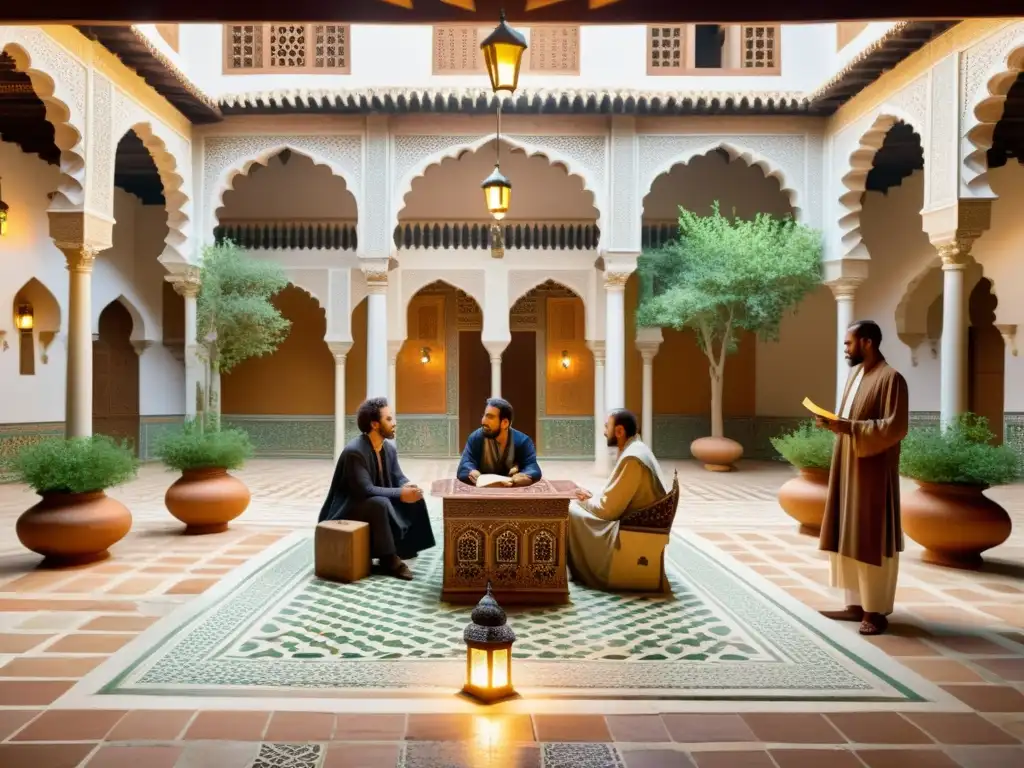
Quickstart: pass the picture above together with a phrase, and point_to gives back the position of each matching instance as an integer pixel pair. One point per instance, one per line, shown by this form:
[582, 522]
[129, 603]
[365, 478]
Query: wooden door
[986, 356]
[474, 382]
[519, 380]
[115, 377]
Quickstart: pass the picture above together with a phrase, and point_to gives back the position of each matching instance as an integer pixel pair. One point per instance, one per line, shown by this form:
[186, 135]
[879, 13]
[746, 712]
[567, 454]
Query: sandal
[874, 624]
[849, 613]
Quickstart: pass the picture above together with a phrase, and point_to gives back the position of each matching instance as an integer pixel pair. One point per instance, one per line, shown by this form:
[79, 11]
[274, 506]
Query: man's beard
[612, 442]
[854, 360]
[386, 432]
[488, 432]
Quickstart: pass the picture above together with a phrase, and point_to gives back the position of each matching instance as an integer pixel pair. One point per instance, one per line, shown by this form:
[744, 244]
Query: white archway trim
[854, 181]
[297, 278]
[782, 157]
[60, 81]
[988, 71]
[138, 322]
[414, 154]
[912, 309]
[225, 157]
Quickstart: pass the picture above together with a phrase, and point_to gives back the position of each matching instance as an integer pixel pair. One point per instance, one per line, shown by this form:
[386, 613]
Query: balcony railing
[333, 234]
[557, 235]
[654, 234]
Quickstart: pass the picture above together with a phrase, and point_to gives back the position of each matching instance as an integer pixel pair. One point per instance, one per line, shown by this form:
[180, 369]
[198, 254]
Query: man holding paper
[861, 529]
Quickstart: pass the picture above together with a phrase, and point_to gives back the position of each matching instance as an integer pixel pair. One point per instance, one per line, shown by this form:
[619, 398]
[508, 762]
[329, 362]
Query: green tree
[722, 276]
[235, 319]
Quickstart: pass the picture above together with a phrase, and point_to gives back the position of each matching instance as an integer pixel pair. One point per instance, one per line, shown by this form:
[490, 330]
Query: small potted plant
[205, 498]
[75, 522]
[948, 513]
[809, 449]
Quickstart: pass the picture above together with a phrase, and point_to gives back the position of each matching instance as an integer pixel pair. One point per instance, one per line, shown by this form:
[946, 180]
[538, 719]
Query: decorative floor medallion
[273, 629]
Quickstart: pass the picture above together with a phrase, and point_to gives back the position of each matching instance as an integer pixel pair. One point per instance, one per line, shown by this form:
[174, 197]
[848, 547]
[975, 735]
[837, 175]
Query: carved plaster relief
[375, 220]
[101, 153]
[625, 190]
[941, 167]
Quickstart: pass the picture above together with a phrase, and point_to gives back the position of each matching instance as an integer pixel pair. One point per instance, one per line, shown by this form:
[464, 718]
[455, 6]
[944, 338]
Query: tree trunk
[717, 420]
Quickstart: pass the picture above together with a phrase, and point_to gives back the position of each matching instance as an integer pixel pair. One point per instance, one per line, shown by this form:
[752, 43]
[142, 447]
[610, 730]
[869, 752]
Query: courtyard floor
[963, 631]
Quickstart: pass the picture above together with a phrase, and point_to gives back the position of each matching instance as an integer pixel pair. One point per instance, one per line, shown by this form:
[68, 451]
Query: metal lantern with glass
[25, 318]
[488, 652]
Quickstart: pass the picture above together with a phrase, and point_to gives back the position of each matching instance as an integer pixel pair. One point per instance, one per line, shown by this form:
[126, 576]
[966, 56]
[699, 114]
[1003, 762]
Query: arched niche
[34, 345]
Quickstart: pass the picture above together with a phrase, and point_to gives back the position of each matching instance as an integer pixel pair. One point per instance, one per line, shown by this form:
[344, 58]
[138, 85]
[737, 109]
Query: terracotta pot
[74, 528]
[954, 523]
[716, 453]
[803, 498]
[206, 500]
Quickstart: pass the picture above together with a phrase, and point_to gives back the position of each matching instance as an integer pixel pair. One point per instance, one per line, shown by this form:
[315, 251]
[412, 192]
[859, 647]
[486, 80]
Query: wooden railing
[554, 234]
[654, 234]
[335, 234]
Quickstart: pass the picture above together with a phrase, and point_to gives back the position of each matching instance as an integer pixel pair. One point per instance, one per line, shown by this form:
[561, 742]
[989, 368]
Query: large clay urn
[206, 500]
[717, 454]
[954, 523]
[74, 528]
[803, 498]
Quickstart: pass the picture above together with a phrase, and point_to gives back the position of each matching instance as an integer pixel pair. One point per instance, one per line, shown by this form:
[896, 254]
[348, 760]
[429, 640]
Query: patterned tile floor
[963, 631]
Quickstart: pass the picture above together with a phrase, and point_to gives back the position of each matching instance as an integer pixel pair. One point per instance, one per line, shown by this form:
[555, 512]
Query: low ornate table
[515, 538]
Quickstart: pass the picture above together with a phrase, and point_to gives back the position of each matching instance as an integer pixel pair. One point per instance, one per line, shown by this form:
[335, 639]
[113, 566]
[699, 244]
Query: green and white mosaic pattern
[274, 629]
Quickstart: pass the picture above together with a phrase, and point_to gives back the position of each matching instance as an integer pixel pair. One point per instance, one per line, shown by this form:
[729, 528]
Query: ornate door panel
[115, 377]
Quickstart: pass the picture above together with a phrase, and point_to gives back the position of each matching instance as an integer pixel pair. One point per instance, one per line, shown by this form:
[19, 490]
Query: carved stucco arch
[296, 281]
[225, 157]
[416, 280]
[988, 72]
[521, 282]
[919, 294]
[59, 80]
[140, 328]
[854, 180]
[582, 156]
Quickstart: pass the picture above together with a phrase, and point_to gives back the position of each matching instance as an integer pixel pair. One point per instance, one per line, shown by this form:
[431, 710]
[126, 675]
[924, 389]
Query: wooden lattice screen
[308, 49]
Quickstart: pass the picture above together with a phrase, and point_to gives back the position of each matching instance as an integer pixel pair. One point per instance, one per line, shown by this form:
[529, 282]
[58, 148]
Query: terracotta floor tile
[231, 561]
[878, 728]
[37, 581]
[137, 585]
[428, 727]
[971, 645]
[210, 571]
[999, 586]
[218, 754]
[12, 643]
[32, 693]
[62, 621]
[179, 560]
[987, 757]
[639, 728]
[107, 606]
[906, 758]
[964, 728]
[191, 587]
[697, 728]
[43, 755]
[914, 595]
[111, 568]
[785, 728]
[228, 726]
[71, 725]
[815, 758]
[988, 698]
[67, 667]
[656, 758]
[120, 623]
[942, 670]
[12, 720]
[751, 759]
[81, 643]
[151, 725]
[300, 726]
[134, 757]
[169, 570]
[902, 646]
[1008, 669]
[571, 728]
[361, 756]
[369, 727]
[83, 584]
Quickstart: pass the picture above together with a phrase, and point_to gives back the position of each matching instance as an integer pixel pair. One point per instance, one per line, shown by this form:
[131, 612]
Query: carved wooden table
[514, 537]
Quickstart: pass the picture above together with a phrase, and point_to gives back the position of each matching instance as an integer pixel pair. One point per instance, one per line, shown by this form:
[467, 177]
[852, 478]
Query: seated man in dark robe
[497, 449]
[369, 486]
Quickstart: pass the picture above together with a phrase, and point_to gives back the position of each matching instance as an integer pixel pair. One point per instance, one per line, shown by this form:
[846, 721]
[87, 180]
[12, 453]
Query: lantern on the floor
[4, 208]
[488, 652]
[25, 319]
[503, 54]
[497, 193]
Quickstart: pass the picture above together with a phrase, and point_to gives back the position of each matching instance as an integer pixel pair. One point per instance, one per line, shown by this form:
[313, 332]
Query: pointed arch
[45, 307]
[522, 282]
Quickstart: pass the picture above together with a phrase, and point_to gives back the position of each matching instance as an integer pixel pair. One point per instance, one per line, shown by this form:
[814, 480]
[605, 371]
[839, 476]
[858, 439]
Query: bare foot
[849, 613]
[873, 624]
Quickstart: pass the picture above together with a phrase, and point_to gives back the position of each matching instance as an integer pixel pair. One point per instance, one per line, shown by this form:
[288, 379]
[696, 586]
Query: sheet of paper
[817, 410]
[492, 481]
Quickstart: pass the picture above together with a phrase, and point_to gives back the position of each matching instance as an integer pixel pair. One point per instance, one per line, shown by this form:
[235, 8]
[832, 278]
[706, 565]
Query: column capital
[596, 347]
[141, 345]
[616, 279]
[952, 230]
[955, 254]
[340, 350]
[376, 273]
[496, 347]
[187, 283]
[844, 288]
[648, 341]
[394, 347]
[80, 258]
[78, 229]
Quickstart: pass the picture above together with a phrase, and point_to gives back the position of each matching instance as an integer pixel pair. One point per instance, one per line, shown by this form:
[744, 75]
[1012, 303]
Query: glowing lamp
[488, 652]
[497, 193]
[425, 355]
[25, 319]
[566, 360]
[503, 53]
[4, 208]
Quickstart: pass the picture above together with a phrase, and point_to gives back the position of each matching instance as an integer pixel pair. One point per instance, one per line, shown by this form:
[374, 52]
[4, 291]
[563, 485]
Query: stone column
[394, 347]
[376, 332]
[495, 348]
[615, 338]
[844, 290]
[340, 351]
[186, 285]
[953, 351]
[78, 392]
[600, 445]
[648, 340]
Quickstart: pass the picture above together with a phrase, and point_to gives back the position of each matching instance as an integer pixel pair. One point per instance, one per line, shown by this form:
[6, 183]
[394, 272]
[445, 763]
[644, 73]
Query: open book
[493, 481]
[817, 410]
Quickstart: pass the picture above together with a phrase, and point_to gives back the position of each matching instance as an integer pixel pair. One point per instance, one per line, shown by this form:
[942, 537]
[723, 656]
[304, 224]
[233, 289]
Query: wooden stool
[342, 550]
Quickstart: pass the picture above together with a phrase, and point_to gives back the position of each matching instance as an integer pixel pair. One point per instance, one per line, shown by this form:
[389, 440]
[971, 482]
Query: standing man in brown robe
[861, 529]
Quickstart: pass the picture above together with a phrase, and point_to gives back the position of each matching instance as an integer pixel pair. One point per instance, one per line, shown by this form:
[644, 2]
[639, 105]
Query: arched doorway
[986, 356]
[115, 376]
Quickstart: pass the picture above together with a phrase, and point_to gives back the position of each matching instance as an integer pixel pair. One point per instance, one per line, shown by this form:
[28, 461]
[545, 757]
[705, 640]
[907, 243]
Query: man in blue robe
[497, 449]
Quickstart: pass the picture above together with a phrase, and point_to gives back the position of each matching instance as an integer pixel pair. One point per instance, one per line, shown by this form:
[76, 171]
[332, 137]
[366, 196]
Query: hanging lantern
[489, 652]
[425, 355]
[25, 320]
[503, 54]
[3, 212]
[497, 193]
[566, 360]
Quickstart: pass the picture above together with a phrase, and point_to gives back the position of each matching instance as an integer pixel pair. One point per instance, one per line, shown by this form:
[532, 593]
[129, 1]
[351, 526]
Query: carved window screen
[280, 48]
[759, 47]
[666, 50]
[554, 49]
[457, 49]
[747, 49]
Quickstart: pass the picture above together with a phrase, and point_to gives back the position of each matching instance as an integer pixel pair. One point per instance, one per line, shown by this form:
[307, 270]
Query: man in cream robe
[861, 529]
[636, 482]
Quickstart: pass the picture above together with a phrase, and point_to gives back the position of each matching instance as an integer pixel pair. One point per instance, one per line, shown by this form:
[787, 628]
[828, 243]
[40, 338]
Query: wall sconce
[25, 319]
[4, 208]
[566, 360]
[425, 355]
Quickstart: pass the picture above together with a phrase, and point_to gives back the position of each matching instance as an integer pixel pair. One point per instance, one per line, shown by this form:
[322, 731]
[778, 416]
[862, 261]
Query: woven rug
[272, 628]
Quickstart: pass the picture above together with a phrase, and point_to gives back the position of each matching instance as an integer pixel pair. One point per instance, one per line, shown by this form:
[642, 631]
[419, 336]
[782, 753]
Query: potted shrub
[809, 449]
[75, 522]
[722, 276]
[948, 513]
[205, 498]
